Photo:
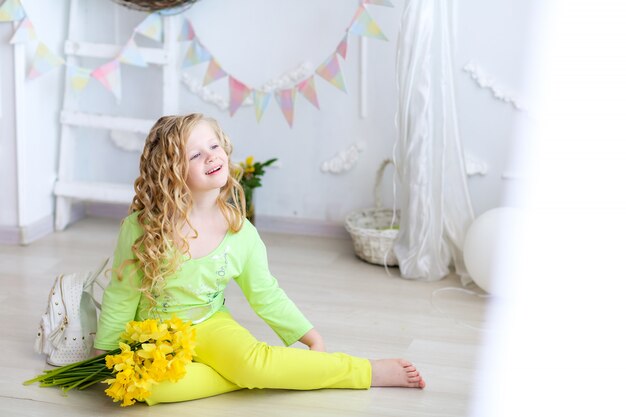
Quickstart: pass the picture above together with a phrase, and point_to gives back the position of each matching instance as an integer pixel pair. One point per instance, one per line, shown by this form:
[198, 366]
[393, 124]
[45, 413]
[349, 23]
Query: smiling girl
[186, 237]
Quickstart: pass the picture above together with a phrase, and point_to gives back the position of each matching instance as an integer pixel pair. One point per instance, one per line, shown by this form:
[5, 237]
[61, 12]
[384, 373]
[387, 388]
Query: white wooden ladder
[67, 189]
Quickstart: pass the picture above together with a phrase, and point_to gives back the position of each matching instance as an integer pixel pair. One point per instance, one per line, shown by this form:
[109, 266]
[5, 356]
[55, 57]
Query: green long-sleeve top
[196, 291]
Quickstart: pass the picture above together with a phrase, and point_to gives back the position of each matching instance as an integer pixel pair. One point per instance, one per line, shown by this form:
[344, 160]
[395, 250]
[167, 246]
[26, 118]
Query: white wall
[258, 41]
[495, 35]
[30, 128]
[41, 115]
[8, 166]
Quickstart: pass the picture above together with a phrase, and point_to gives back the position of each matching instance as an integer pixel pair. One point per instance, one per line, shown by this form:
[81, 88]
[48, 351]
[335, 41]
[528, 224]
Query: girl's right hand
[313, 340]
[98, 352]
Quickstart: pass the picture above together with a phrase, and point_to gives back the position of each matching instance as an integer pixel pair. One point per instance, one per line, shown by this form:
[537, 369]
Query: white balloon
[484, 242]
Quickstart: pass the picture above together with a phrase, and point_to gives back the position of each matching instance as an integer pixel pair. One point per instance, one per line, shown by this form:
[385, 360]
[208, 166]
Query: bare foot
[395, 373]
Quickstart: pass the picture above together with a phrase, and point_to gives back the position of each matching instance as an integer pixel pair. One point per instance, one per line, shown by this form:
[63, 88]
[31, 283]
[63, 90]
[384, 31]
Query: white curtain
[434, 202]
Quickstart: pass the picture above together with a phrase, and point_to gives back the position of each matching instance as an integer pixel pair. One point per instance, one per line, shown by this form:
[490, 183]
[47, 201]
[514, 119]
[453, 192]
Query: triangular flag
[238, 93]
[131, 55]
[260, 103]
[331, 72]
[186, 32]
[214, 72]
[364, 25]
[151, 27]
[110, 76]
[43, 61]
[196, 54]
[379, 2]
[78, 77]
[286, 100]
[11, 10]
[342, 48]
[307, 89]
[25, 32]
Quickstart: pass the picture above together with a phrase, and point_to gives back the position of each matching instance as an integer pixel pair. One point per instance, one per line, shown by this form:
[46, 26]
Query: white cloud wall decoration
[485, 81]
[344, 160]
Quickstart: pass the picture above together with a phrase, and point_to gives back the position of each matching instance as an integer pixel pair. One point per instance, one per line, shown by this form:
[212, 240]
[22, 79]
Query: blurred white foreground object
[558, 345]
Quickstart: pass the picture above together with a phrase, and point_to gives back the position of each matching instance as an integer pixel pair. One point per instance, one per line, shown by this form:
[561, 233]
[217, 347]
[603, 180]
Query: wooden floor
[357, 307]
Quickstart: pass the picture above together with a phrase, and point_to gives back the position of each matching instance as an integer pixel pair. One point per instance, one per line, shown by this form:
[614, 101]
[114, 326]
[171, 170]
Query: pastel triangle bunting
[78, 77]
[25, 32]
[11, 11]
[379, 2]
[131, 55]
[307, 89]
[186, 32]
[196, 54]
[331, 72]
[260, 99]
[110, 76]
[43, 61]
[364, 25]
[151, 27]
[342, 48]
[286, 100]
[214, 72]
[238, 93]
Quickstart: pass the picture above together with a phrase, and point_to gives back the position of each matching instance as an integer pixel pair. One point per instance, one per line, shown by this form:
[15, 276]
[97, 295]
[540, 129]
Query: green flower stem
[57, 382]
[49, 374]
[88, 378]
[95, 381]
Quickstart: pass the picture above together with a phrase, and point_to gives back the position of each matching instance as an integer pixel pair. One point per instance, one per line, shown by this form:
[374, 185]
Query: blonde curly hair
[163, 199]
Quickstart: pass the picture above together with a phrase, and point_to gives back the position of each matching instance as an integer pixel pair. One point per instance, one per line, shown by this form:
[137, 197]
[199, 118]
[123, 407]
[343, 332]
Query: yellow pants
[229, 358]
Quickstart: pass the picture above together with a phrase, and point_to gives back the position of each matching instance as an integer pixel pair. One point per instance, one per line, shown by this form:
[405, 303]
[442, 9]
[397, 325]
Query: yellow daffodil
[123, 359]
[141, 331]
[162, 352]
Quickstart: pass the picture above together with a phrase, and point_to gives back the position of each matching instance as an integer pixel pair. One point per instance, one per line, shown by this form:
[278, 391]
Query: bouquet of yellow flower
[250, 178]
[150, 352]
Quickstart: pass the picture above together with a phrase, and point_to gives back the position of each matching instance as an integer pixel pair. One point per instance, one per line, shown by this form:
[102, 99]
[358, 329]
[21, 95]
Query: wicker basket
[156, 5]
[372, 230]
